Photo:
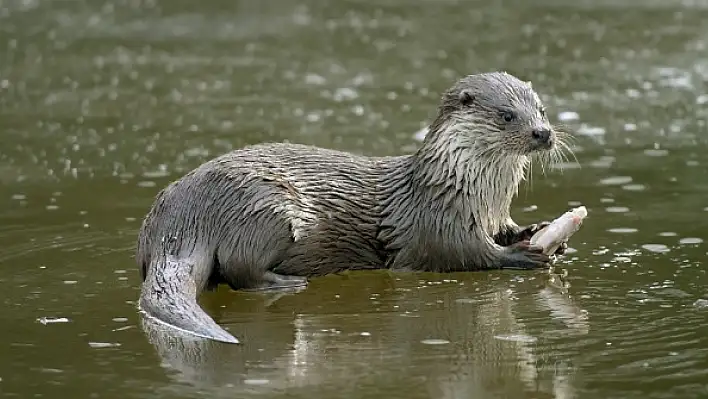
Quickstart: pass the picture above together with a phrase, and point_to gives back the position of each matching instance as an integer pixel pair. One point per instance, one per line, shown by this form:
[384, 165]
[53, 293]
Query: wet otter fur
[270, 215]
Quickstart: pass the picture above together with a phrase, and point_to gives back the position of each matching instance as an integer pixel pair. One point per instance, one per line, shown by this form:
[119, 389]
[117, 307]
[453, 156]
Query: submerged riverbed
[102, 103]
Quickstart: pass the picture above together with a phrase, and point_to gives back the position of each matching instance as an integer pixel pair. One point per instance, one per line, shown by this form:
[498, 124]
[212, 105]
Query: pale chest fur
[493, 185]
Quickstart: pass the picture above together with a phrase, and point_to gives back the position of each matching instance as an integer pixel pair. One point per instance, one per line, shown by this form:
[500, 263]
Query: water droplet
[365, 334]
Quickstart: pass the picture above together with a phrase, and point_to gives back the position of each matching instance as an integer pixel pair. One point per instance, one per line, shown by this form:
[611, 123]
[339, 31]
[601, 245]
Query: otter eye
[508, 116]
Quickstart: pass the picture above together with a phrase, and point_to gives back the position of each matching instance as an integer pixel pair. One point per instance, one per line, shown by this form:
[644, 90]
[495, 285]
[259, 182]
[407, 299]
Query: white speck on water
[701, 303]
[358, 110]
[630, 127]
[657, 248]
[70, 282]
[345, 93]
[654, 152]
[365, 334]
[435, 341]
[587, 130]
[19, 197]
[607, 200]
[314, 79]
[530, 208]
[313, 117]
[690, 240]
[702, 99]
[516, 338]
[622, 230]
[616, 180]
[603, 162]
[86, 226]
[51, 320]
[668, 234]
[120, 319]
[617, 209]
[120, 271]
[566, 116]
[52, 207]
[147, 183]
[98, 345]
[130, 219]
[256, 382]
[634, 187]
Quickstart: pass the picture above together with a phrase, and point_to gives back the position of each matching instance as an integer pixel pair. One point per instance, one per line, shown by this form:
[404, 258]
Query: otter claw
[523, 255]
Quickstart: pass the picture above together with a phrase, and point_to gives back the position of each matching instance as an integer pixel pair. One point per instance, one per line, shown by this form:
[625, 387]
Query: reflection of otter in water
[312, 344]
[269, 215]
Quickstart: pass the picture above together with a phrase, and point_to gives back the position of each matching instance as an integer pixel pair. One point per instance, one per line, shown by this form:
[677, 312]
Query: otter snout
[543, 138]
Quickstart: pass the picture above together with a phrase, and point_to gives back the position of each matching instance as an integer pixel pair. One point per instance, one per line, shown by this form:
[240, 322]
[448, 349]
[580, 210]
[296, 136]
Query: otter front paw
[523, 255]
[527, 232]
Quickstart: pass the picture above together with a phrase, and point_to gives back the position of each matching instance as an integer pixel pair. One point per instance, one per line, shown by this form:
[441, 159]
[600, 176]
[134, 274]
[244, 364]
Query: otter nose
[542, 135]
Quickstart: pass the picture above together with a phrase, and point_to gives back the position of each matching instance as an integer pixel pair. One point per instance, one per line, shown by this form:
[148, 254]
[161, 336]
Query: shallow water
[103, 103]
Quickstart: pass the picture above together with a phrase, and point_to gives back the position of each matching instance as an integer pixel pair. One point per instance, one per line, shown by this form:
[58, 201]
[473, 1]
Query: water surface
[103, 103]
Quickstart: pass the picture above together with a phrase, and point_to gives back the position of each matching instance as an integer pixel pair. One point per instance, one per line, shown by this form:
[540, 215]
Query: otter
[272, 215]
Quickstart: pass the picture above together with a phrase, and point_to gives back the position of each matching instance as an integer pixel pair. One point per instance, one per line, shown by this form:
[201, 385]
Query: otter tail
[169, 295]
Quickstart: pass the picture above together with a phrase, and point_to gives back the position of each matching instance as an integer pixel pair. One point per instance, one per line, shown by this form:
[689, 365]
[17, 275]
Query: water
[103, 103]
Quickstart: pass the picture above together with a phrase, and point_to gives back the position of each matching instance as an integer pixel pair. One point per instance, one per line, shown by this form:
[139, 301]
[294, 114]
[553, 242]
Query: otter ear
[466, 97]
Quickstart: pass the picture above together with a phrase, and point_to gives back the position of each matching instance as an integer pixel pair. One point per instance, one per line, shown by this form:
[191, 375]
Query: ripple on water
[656, 248]
[605, 161]
[623, 230]
[567, 116]
[655, 152]
[435, 341]
[593, 131]
[617, 209]
[690, 240]
[634, 187]
[616, 180]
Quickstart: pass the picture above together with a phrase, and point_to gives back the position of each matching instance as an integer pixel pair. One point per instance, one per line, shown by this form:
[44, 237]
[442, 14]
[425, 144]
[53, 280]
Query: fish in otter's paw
[268, 216]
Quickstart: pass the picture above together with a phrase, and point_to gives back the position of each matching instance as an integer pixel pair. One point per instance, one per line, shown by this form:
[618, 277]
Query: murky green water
[103, 103]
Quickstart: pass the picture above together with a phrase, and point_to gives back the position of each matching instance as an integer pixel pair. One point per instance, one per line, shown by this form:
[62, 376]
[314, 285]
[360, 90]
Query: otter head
[497, 112]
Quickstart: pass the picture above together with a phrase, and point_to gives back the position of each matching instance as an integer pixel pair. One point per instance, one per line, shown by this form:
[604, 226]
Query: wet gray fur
[260, 216]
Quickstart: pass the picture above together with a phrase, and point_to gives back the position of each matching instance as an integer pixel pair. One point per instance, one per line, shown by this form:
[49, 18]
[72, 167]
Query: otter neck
[469, 174]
